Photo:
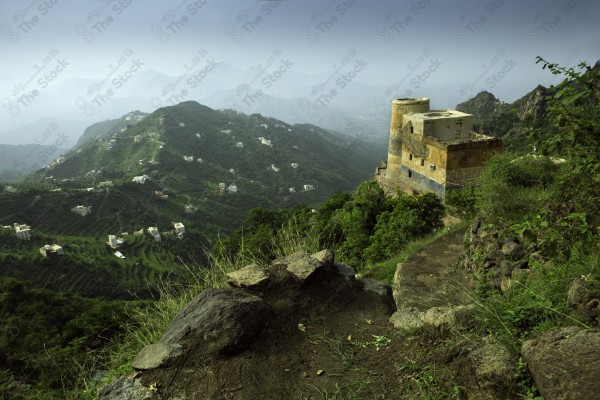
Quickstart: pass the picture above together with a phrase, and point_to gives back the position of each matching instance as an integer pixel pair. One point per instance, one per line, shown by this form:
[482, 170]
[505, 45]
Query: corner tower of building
[400, 107]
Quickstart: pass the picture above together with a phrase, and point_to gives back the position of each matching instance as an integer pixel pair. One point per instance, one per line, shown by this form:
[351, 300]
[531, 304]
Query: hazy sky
[405, 46]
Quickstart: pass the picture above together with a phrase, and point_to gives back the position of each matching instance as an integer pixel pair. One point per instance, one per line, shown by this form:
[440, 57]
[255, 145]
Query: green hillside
[258, 160]
[226, 149]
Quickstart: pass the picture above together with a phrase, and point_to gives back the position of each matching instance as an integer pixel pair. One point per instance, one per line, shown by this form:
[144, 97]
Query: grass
[350, 391]
[421, 380]
[344, 353]
[535, 305]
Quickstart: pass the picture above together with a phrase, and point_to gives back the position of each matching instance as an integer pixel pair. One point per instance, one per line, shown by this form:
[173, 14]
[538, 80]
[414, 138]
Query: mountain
[509, 121]
[202, 167]
[16, 161]
[512, 121]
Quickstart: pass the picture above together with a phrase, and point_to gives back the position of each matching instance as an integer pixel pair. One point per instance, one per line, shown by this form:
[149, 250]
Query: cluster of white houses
[178, 230]
[23, 232]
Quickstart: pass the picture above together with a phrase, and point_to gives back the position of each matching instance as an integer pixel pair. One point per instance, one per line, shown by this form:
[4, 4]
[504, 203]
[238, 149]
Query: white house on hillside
[112, 241]
[179, 229]
[232, 188]
[51, 250]
[140, 179]
[266, 142]
[22, 231]
[81, 210]
[153, 231]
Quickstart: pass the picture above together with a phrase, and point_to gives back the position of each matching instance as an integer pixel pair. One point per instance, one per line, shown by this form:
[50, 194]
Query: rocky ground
[305, 328]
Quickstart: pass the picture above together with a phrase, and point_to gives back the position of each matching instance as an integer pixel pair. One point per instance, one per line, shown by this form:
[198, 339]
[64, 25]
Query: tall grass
[537, 303]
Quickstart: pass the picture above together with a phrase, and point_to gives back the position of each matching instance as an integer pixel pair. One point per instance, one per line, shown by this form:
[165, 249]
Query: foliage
[49, 340]
[514, 187]
[358, 219]
[463, 202]
[412, 217]
[573, 111]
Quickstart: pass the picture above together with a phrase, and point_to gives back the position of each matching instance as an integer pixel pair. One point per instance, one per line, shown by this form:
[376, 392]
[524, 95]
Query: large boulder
[407, 320]
[565, 363]
[444, 320]
[584, 293]
[225, 320]
[494, 369]
[325, 257]
[428, 278]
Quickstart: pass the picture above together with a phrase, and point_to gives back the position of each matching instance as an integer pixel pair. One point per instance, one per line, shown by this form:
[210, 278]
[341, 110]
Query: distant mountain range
[333, 100]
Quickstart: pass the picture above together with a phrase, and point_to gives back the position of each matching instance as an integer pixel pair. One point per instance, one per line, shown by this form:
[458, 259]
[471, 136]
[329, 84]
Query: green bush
[514, 187]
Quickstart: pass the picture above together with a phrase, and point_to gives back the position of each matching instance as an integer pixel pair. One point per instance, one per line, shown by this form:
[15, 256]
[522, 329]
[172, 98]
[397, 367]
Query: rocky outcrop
[565, 363]
[221, 332]
[301, 266]
[252, 276]
[494, 261]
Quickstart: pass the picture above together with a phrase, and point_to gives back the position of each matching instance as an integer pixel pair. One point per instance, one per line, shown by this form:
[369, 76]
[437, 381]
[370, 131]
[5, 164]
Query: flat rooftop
[439, 114]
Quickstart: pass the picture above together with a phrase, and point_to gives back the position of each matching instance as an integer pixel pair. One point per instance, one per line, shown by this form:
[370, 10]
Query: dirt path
[429, 277]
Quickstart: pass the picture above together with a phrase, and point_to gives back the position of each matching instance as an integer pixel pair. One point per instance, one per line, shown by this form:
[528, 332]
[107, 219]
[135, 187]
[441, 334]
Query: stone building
[433, 151]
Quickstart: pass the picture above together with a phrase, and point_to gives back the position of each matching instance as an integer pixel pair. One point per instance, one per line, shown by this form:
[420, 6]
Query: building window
[410, 157]
[412, 129]
[422, 162]
[409, 173]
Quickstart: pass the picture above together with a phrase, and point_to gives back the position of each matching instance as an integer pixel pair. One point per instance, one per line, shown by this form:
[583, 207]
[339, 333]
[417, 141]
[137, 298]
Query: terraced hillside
[89, 267]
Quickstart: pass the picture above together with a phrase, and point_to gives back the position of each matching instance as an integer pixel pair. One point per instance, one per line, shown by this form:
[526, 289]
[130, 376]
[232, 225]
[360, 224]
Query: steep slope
[109, 127]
